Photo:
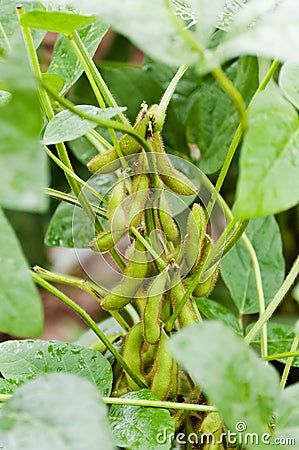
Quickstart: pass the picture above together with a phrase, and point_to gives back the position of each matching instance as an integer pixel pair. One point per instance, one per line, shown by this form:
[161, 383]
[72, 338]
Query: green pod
[116, 213]
[153, 308]
[205, 288]
[128, 146]
[188, 314]
[148, 356]
[162, 370]
[174, 385]
[134, 275]
[194, 240]
[132, 354]
[167, 222]
[106, 240]
[136, 206]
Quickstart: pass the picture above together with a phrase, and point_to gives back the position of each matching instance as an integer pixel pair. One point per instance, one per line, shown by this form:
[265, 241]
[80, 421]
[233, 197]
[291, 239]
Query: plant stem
[63, 196]
[107, 123]
[91, 324]
[289, 363]
[47, 108]
[171, 88]
[161, 263]
[235, 236]
[286, 285]
[99, 81]
[275, 356]
[159, 404]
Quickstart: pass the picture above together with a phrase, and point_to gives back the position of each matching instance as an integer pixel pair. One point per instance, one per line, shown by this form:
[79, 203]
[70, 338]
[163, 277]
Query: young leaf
[236, 381]
[65, 62]
[139, 427]
[23, 165]
[59, 22]
[213, 120]
[22, 360]
[61, 411]
[237, 271]
[269, 162]
[215, 311]
[288, 82]
[66, 125]
[20, 305]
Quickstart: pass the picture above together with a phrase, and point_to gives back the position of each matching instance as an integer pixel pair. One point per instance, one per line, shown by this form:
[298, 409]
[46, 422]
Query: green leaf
[59, 22]
[237, 271]
[23, 360]
[235, 380]
[288, 413]
[215, 311]
[4, 97]
[213, 120]
[109, 326]
[8, 386]
[69, 227]
[288, 82]
[257, 26]
[55, 82]
[138, 427]
[65, 62]
[66, 125]
[23, 165]
[231, 8]
[149, 25]
[269, 161]
[207, 12]
[61, 411]
[20, 305]
[10, 22]
[280, 340]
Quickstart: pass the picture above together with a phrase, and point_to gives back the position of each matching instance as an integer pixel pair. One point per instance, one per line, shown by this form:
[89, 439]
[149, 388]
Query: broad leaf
[215, 311]
[22, 360]
[108, 326]
[213, 119]
[23, 168]
[65, 62]
[288, 82]
[288, 413]
[139, 427]
[61, 411]
[21, 310]
[231, 8]
[237, 270]
[236, 381]
[269, 162]
[150, 26]
[280, 340]
[66, 125]
[258, 25]
[207, 13]
[8, 386]
[59, 22]
[69, 226]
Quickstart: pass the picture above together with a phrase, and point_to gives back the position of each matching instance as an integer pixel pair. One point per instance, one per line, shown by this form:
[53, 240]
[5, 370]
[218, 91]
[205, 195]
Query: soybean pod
[189, 313]
[152, 310]
[132, 354]
[134, 275]
[106, 240]
[167, 222]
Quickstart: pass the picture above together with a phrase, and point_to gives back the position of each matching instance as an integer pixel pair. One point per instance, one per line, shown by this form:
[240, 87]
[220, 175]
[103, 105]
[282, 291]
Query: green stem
[91, 324]
[158, 404]
[171, 88]
[94, 138]
[235, 236]
[289, 363]
[284, 355]
[280, 294]
[73, 175]
[107, 123]
[96, 76]
[63, 196]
